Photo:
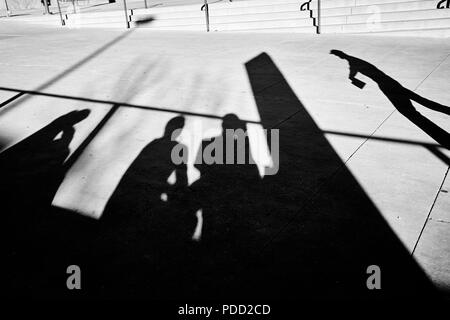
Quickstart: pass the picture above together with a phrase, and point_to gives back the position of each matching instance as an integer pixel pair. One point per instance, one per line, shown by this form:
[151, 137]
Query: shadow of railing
[263, 237]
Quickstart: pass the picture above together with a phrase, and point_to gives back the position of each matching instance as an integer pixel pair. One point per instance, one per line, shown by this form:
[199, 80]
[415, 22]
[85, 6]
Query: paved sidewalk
[346, 154]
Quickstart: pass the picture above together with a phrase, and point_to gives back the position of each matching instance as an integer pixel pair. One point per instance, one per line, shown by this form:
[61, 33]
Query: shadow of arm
[428, 103]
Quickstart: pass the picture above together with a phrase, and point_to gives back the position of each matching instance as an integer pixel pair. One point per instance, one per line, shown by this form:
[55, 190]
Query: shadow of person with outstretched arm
[400, 97]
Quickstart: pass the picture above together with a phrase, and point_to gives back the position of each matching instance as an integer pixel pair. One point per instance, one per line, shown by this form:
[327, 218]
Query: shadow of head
[174, 127]
[232, 121]
[144, 21]
[339, 54]
[71, 118]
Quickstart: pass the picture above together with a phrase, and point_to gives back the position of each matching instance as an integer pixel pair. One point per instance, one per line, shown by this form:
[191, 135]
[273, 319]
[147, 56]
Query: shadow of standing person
[225, 198]
[30, 174]
[142, 222]
[400, 97]
[144, 185]
[34, 166]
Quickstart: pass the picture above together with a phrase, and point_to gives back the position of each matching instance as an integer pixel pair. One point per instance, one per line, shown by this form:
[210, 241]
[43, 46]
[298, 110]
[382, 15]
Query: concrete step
[99, 15]
[289, 7]
[396, 6]
[264, 14]
[243, 25]
[105, 25]
[371, 9]
[261, 24]
[355, 3]
[38, 19]
[429, 33]
[82, 20]
[388, 26]
[234, 18]
[198, 27]
[309, 30]
[387, 17]
[338, 16]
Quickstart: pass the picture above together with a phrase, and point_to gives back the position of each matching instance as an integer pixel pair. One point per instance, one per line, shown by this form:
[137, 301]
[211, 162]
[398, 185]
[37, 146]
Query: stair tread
[381, 22]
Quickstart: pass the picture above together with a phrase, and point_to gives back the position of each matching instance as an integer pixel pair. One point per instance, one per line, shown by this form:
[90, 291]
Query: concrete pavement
[400, 168]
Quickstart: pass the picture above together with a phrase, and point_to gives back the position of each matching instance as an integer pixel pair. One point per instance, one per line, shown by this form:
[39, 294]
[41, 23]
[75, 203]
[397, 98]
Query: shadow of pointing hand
[35, 165]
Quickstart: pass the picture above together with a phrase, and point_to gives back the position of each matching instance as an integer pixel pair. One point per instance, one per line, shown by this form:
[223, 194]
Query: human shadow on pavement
[308, 231]
[227, 196]
[400, 97]
[34, 165]
[145, 183]
[317, 230]
[30, 174]
[143, 223]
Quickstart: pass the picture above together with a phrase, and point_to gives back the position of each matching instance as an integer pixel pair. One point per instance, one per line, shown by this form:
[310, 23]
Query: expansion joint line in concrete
[431, 210]
[395, 110]
[446, 173]
[432, 71]
[69, 70]
[310, 201]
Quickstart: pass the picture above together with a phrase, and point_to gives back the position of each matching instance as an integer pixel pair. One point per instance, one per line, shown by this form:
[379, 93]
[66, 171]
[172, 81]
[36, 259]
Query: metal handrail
[319, 9]
[306, 7]
[63, 23]
[8, 13]
[206, 7]
[126, 14]
[46, 8]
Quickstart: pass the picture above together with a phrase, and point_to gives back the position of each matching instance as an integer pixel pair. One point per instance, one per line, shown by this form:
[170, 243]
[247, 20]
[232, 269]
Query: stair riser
[225, 12]
[304, 30]
[430, 33]
[237, 18]
[355, 3]
[337, 16]
[387, 17]
[388, 26]
[409, 6]
[240, 25]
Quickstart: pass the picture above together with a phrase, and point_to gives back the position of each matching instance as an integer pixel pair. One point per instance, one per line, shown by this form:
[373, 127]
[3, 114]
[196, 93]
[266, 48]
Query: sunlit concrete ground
[205, 74]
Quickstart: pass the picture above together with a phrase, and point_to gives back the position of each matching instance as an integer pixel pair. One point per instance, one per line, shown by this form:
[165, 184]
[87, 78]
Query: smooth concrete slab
[326, 123]
[433, 251]
[388, 171]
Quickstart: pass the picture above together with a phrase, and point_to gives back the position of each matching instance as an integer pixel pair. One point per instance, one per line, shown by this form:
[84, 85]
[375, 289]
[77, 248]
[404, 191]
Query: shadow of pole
[14, 100]
[329, 231]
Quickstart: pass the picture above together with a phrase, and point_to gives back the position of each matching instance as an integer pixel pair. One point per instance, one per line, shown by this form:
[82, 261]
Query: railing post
[146, 6]
[318, 16]
[126, 14]
[60, 14]
[46, 8]
[207, 15]
[73, 6]
[8, 13]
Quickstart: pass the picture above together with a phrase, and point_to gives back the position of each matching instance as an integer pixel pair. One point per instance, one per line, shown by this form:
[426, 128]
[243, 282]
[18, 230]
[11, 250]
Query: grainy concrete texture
[361, 181]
